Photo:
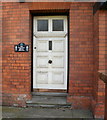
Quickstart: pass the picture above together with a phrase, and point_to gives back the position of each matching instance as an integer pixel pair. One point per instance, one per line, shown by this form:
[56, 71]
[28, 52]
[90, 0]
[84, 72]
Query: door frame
[67, 62]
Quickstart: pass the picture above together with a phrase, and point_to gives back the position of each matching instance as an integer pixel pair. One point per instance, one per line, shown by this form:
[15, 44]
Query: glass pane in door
[58, 25]
[42, 25]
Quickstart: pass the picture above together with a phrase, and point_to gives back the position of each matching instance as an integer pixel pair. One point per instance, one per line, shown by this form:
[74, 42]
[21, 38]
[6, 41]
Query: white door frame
[50, 34]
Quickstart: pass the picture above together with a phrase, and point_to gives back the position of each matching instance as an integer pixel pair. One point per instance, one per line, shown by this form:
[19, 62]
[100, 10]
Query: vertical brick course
[81, 49]
[1, 53]
[100, 63]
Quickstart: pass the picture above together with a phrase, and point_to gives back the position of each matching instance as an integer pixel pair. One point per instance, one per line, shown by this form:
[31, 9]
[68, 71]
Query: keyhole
[50, 61]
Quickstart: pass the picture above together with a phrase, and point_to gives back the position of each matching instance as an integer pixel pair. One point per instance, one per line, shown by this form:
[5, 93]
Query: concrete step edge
[30, 102]
[48, 106]
[49, 94]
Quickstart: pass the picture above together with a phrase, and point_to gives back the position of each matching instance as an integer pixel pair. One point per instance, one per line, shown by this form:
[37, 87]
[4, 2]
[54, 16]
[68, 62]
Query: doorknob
[50, 61]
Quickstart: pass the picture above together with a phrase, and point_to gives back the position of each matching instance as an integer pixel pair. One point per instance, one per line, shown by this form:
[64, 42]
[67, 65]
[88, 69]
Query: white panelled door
[50, 52]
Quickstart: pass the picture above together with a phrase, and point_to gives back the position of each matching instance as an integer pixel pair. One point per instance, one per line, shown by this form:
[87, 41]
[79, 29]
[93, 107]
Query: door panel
[57, 78]
[58, 45]
[42, 45]
[50, 55]
[58, 62]
[42, 77]
[42, 62]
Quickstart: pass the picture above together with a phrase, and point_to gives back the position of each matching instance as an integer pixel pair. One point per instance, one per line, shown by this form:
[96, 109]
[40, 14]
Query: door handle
[50, 61]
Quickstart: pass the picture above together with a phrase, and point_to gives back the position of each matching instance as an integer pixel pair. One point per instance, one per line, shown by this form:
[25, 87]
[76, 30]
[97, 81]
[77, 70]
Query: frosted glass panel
[58, 25]
[42, 25]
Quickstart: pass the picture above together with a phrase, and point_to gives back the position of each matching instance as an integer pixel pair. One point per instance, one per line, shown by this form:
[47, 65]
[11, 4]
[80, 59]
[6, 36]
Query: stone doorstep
[48, 100]
[31, 112]
[48, 94]
[48, 106]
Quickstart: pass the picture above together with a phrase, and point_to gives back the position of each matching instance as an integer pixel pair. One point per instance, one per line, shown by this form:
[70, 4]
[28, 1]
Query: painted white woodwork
[50, 75]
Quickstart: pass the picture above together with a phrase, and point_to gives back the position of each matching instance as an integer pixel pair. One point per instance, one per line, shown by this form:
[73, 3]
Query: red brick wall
[96, 53]
[102, 43]
[81, 54]
[106, 102]
[96, 62]
[82, 49]
[106, 66]
[16, 66]
[99, 55]
[1, 53]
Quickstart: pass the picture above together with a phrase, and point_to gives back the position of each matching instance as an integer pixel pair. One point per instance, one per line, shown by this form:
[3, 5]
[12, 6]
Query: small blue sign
[21, 47]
